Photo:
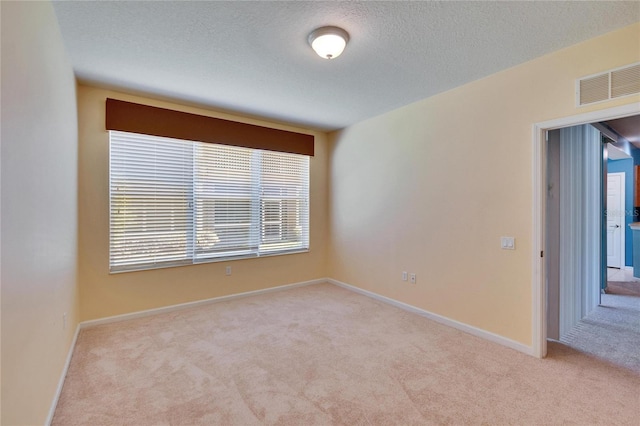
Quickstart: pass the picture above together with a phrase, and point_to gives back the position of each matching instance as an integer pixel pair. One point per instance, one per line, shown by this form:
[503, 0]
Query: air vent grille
[609, 85]
[594, 89]
[625, 81]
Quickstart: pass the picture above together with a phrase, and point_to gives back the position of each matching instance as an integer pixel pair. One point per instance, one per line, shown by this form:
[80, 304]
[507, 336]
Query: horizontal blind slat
[151, 199]
[176, 202]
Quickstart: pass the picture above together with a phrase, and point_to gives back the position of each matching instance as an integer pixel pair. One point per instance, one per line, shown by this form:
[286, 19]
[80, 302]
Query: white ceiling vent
[608, 85]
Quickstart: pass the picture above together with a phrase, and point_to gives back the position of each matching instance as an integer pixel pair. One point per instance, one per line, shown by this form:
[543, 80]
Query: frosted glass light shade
[328, 42]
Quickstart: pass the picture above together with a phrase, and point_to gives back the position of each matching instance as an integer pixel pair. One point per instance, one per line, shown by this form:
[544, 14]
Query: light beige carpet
[322, 355]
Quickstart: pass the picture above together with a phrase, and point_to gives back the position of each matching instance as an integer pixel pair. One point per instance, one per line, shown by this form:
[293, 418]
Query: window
[176, 202]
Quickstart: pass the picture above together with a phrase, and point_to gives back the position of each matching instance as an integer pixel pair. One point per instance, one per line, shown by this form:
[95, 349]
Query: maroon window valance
[148, 120]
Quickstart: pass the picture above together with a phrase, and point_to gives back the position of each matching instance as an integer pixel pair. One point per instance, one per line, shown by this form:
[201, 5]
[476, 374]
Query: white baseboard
[171, 308]
[440, 319]
[63, 375]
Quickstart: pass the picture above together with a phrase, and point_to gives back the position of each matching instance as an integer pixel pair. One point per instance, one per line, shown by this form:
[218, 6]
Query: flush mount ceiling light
[328, 42]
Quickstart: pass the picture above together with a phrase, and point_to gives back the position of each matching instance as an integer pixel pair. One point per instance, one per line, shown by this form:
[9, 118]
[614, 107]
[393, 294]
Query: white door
[615, 220]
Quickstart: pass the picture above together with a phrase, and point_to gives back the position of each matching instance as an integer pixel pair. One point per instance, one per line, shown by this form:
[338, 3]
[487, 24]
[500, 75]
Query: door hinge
[541, 253]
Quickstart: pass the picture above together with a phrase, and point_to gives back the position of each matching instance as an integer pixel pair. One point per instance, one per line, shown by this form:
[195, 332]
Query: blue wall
[626, 166]
[635, 153]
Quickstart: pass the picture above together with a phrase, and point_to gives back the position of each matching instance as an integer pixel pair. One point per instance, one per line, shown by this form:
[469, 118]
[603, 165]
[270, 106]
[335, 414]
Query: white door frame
[538, 281]
[623, 212]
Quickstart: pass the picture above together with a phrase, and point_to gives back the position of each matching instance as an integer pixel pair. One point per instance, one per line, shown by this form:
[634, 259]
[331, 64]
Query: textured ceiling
[253, 57]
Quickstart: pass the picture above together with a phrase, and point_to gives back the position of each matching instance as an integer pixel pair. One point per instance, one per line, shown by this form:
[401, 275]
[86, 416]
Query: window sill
[136, 268]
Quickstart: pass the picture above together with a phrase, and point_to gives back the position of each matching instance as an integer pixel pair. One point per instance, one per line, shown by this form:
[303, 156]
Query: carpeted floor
[324, 355]
[611, 332]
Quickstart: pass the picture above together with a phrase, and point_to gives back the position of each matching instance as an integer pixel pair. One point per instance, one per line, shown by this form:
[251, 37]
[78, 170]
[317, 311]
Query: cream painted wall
[103, 294]
[431, 187]
[39, 210]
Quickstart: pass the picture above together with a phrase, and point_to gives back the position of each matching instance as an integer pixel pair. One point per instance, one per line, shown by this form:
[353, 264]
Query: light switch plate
[507, 243]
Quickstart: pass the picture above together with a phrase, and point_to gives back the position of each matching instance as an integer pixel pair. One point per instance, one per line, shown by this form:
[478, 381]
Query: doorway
[539, 284]
[576, 163]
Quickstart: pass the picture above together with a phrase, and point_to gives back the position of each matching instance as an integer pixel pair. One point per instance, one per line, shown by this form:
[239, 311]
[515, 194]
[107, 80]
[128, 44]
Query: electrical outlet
[413, 278]
[227, 270]
[64, 321]
[404, 276]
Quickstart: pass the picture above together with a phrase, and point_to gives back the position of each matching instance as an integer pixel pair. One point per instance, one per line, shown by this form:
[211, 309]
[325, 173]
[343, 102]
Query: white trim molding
[539, 181]
[63, 376]
[171, 308]
[439, 318]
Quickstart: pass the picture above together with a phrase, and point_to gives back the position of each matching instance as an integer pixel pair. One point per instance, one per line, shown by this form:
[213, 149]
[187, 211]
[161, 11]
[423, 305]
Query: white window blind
[177, 202]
